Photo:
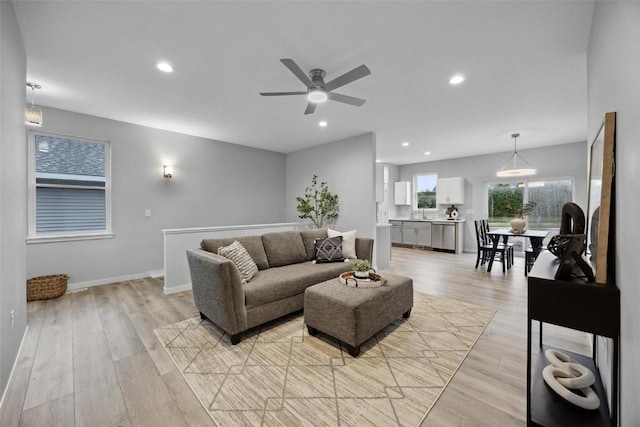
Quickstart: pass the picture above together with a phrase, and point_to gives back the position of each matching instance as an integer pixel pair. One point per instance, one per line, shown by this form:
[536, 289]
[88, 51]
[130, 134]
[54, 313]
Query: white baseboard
[154, 274]
[13, 370]
[175, 289]
[105, 281]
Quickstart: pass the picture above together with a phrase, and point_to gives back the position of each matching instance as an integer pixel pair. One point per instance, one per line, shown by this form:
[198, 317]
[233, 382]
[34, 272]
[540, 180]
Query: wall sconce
[168, 171]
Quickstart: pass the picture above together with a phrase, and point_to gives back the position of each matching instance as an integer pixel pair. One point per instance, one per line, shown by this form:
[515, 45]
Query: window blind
[70, 209]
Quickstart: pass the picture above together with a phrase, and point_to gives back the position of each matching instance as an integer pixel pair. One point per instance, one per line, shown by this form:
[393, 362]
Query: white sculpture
[565, 374]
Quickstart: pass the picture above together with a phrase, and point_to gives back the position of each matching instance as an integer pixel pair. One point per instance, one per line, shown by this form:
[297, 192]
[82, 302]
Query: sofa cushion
[284, 248]
[348, 242]
[329, 250]
[253, 245]
[241, 258]
[309, 238]
[275, 284]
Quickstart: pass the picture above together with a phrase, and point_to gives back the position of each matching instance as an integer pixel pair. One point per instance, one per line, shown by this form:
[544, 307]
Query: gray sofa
[285, 270]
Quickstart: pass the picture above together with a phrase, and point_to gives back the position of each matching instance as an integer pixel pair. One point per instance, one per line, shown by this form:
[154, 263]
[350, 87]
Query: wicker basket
[46, 287]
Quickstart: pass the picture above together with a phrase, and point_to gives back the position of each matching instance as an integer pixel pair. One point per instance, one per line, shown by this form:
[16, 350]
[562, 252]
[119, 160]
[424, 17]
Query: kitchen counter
[434, 233]
[428, 220]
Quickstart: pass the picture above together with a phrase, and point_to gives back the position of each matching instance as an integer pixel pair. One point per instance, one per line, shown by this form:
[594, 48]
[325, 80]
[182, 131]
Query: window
[548, 194]
[425, 186]
[69, 189]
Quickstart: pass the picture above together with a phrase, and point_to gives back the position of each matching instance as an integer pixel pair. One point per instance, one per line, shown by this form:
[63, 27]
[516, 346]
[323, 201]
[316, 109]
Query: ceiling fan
[317, 90]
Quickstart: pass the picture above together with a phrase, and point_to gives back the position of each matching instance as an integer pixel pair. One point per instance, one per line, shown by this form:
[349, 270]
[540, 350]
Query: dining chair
[504, 253]
[485, 224]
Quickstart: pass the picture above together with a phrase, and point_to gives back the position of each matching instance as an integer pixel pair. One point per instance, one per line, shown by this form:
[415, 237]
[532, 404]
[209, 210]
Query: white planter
[361, 274]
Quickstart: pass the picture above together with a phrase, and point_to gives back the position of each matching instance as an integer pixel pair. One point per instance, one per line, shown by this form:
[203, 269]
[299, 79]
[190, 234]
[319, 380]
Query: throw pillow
[309, 238]
[241, 258]
[329, 250]
[348, 242]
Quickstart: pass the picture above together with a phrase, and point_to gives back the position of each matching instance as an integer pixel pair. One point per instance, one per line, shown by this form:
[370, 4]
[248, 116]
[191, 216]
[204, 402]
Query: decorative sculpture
[570, 244]
[564, 374]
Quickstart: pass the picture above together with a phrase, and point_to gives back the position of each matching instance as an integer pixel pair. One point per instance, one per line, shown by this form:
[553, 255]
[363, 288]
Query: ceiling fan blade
[311, 107]
[353, 75]
[281, 93]
[293, 67]
[351, 100]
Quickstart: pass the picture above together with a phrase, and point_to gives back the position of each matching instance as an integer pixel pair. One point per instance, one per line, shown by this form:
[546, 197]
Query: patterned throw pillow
[241, 258]
[329, 250]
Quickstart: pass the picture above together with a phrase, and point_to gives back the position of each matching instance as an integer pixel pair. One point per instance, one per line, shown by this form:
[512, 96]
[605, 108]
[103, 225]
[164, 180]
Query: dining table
[536, 238]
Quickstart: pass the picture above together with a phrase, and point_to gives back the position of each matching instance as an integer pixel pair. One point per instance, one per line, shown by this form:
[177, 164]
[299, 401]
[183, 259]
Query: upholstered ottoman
[353, 315]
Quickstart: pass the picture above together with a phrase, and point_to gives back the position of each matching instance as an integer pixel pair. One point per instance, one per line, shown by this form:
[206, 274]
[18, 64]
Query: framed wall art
[600, 196]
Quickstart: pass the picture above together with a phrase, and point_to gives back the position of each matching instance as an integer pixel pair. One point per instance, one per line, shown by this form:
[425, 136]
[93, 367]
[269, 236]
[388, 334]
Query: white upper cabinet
[402, 193]
[450, 191]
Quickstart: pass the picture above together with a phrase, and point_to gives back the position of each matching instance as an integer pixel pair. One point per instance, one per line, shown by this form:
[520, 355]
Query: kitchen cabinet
[396, 231]
[450, 191]
[402, 193]
[416, 233]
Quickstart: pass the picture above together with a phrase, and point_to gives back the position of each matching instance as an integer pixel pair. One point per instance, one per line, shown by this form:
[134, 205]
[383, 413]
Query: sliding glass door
[549, 196]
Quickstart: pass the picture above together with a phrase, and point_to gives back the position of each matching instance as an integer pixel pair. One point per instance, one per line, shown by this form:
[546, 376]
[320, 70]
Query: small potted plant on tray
[361, 269]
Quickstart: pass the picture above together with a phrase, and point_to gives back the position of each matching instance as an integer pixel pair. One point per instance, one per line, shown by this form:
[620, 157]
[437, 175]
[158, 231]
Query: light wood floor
[91, 358]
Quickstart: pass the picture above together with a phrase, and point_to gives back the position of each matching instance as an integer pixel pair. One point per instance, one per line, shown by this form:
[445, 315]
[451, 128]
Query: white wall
[214, 184]
[613, 69]
[13, 225]
[565, 160]
[348, 167]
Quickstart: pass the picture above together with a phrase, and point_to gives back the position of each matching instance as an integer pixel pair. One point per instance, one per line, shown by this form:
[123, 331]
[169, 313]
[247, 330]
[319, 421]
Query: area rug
[279, 375]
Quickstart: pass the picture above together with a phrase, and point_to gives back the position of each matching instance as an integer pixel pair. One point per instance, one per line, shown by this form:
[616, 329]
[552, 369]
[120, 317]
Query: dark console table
[579, 305]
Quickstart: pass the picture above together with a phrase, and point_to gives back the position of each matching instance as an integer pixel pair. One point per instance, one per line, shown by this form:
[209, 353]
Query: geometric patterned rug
[279, 375]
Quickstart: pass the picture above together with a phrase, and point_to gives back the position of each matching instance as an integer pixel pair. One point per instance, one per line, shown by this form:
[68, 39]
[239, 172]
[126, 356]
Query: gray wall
[13, 182]
[348, 167]
[612, 74]
[214, 184]
[565, 160]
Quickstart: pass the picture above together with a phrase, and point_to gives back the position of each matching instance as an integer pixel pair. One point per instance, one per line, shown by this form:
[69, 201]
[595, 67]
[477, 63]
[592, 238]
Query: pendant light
[32, 114]
[516, 165]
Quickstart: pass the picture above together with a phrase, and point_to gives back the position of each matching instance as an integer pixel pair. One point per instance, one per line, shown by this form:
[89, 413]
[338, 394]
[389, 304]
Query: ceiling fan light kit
[516, 165]
[317, 90]
[317, 96]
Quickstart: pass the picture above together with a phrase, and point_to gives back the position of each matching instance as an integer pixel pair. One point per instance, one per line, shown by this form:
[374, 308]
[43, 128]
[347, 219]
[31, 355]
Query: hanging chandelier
[516, 165]
[32, 114]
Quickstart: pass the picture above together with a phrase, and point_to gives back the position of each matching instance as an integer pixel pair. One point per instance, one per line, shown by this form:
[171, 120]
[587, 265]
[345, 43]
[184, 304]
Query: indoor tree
[318, 204]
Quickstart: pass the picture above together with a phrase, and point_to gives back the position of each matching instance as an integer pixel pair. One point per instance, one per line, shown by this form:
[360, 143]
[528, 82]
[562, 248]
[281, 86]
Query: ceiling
[524, 63]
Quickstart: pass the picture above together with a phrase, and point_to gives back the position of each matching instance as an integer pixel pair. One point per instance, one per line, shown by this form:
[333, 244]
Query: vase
[517, 224]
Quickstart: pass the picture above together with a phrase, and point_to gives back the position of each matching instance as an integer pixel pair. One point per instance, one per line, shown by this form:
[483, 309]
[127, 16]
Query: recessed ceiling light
[164, 66]
[405, 144]
[456, 79]
[426, 153]
[322, 124]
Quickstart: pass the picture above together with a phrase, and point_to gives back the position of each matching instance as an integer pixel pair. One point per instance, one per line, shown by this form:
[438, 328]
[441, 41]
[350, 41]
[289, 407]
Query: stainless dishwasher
[443, 236]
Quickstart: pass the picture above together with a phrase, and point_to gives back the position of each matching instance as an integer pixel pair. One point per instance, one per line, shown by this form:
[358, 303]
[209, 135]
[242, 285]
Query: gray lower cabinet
[416, 233]
[396, 231]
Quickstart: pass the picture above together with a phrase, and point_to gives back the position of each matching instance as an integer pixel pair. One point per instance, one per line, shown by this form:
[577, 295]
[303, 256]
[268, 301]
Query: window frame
[525, 195]
[33, 236]
[415, 193]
